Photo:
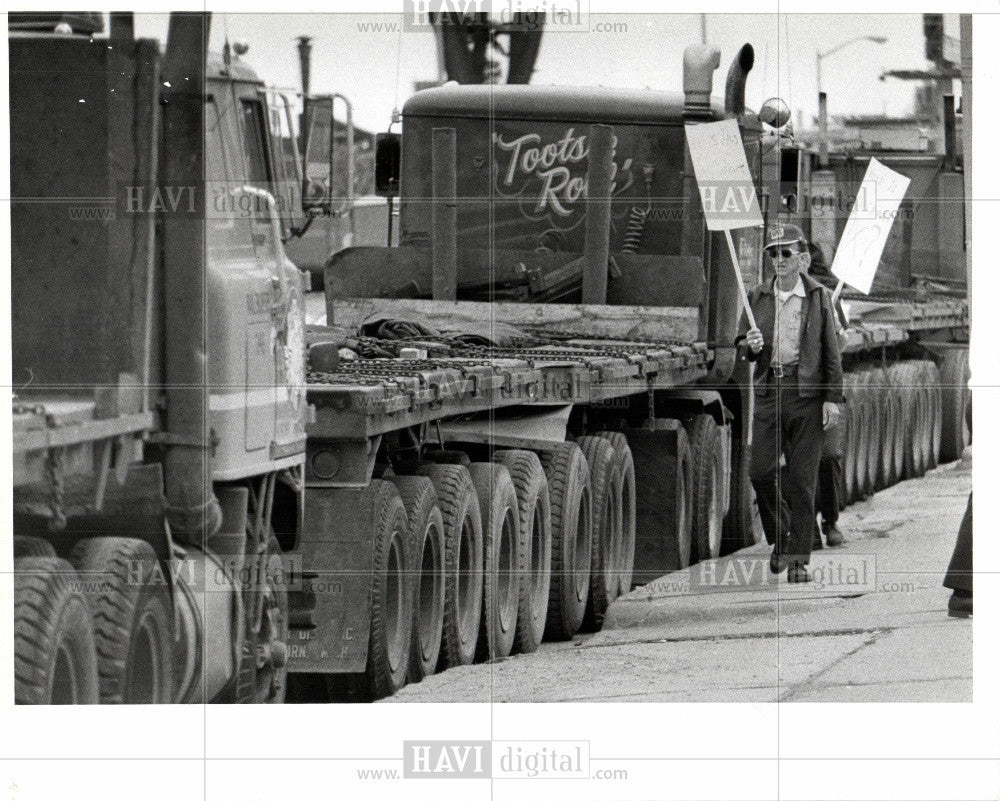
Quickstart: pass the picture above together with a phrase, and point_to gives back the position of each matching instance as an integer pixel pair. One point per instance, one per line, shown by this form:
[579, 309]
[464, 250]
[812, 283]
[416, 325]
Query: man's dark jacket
[820, 373]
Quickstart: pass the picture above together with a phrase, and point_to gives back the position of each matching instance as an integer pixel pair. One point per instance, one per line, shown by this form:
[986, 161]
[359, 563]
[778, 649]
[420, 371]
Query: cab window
[253, 121]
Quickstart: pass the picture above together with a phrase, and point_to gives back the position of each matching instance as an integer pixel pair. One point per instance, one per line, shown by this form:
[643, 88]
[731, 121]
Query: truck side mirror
[317, 154]
[387, 150]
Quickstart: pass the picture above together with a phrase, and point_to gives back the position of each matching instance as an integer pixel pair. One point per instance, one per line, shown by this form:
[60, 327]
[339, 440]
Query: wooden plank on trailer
[649, 323]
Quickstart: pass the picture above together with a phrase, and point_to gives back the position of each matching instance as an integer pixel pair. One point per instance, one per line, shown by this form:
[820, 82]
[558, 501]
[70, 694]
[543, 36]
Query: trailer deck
[372, 396]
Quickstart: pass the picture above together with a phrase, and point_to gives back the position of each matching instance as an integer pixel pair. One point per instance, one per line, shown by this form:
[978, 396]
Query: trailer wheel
[876, 434]
[605, 517]
[899, 432]
[55, 656]
[572, 533]
[889, 427]
[389, 638]
[505, 552]
[934, 384]
[426, 530]
[867, 465]
[132, 619]
[924, 433]
[863, 440]
[623, 466]
[926, 380]
[535, 525]
[853, 421]
[463, 561]
[880, 392]
[913, 401]
[32, 546]
[706, 518]
[922, 445]
[955, 403]
[846, 478]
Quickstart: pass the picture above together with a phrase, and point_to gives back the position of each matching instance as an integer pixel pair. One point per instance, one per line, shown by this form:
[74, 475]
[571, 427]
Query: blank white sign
[728, 197]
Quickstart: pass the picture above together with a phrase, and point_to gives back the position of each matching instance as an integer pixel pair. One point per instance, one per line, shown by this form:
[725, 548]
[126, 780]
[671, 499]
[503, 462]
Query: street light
[821, 55]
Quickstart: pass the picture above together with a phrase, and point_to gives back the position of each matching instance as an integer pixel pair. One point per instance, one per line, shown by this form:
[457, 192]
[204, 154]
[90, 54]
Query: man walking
[796, 396]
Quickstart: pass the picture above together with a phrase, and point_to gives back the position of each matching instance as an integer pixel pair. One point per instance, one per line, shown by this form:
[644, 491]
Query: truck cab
[255, 299]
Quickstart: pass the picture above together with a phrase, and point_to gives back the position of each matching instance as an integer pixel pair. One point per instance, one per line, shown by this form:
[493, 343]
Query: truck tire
[871, 447]
[605, 517]
[927, 429]
[426, 529]
[847, 460]
[32, 546]
[706, 518]
[876, 434]
[132, 619]
[572, 532]
[881, 389]
[623, 466]
[390, 633]
[463, 562]
[898, 437]
[535, 525]
[853, 420]
[922, 444]
[505, 553]
[861, 437]
[934, 383]
[55, 656]
[915, 419]
[955, 402]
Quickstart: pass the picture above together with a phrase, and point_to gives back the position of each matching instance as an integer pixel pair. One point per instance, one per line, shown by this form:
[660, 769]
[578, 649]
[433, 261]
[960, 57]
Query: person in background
[796, 396]
[830, 480]
[958, 579]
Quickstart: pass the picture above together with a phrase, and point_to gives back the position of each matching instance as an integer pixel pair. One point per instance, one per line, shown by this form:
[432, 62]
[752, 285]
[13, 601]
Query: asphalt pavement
[872, 626]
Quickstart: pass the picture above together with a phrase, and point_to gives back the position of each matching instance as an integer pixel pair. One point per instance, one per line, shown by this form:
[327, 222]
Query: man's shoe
[960, 604]
[778, 562]
[834, 536]
[797, 574]
[817, 542]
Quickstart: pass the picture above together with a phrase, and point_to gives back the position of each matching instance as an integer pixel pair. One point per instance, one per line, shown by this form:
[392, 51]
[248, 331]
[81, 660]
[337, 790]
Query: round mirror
[775, 112]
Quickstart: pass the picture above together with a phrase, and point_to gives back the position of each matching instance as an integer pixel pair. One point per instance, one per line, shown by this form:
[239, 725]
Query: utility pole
[305, 66]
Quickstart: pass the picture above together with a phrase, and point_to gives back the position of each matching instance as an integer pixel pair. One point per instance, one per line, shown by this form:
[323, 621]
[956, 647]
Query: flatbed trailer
[382, 395]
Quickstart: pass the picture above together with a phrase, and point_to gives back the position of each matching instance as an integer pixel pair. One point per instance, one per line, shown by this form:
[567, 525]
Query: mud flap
[330, 614]
[663, 497]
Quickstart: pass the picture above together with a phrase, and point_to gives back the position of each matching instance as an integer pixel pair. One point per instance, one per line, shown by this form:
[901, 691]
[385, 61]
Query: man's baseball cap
[784, 234]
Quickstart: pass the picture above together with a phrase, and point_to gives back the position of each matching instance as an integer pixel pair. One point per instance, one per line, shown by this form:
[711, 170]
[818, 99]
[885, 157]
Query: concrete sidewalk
[872, 626]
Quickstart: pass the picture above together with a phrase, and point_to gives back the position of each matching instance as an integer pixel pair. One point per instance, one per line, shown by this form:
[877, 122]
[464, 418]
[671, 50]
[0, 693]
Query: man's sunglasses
[785, 253]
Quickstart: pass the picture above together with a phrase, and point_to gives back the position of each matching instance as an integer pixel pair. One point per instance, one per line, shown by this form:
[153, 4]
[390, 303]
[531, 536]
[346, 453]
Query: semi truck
[502, 236]
[532, 404]
[159, 370]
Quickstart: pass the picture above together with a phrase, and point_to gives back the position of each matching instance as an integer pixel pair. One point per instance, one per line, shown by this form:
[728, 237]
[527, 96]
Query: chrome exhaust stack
[736, 81]
[700, 61]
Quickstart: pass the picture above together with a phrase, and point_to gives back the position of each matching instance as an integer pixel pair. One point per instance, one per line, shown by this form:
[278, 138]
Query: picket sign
[867, 229]
[728, 196]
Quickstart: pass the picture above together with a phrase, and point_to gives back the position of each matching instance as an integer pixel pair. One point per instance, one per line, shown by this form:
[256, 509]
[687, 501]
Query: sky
[360, 56]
